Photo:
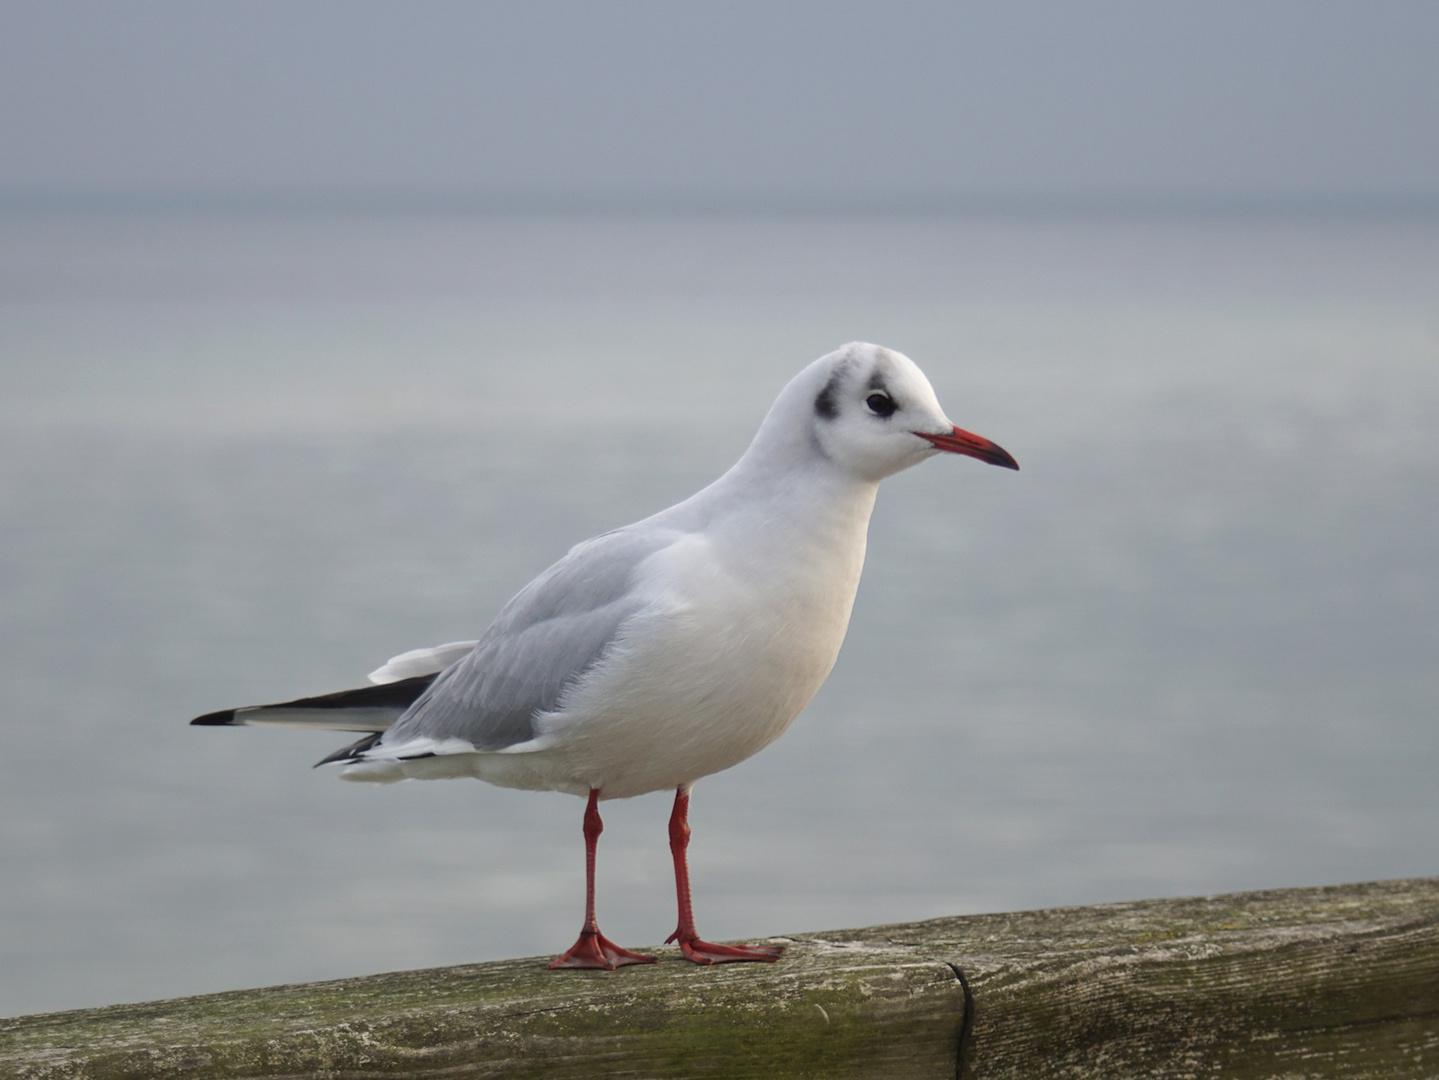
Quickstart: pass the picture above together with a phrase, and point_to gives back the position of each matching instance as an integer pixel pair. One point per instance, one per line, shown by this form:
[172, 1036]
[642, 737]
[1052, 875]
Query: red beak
[967, 443]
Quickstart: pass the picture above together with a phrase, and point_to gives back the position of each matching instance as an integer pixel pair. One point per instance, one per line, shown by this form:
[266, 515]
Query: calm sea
[1193, 646]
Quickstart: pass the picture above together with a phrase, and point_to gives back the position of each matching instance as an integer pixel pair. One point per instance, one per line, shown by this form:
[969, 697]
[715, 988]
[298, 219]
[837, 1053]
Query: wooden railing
[1329, 982]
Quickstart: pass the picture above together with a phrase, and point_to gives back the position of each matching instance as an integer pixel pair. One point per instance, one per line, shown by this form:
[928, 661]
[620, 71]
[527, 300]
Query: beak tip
[969, 444]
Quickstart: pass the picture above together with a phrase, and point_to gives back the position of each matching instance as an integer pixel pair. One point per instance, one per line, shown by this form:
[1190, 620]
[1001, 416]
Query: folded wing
[554, 631]
[369, 708]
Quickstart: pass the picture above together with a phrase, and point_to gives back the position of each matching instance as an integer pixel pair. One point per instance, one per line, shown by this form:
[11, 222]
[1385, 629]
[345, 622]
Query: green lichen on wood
[1339, 981]
[1329, 982]
[860, 1014]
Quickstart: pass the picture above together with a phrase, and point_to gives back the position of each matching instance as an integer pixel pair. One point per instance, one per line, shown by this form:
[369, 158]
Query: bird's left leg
[701, 952]
[593, 949]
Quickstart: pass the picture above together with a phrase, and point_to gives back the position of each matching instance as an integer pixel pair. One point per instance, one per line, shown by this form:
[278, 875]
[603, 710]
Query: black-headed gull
[672, 648]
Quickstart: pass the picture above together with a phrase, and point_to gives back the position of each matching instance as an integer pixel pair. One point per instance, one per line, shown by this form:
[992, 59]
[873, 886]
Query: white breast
[737, 638]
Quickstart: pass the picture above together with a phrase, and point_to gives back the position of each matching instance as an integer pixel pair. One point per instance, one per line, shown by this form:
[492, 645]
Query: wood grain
[1330, 982]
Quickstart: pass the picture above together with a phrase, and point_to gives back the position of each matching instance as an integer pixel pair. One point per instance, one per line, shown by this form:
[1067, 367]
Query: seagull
[661, 652]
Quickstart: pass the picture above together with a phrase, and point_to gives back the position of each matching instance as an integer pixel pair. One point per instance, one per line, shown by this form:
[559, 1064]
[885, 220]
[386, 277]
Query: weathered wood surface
[1329, 982]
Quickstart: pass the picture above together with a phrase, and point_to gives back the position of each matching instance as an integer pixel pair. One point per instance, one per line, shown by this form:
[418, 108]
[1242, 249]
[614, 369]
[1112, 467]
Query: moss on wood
[1339, 981]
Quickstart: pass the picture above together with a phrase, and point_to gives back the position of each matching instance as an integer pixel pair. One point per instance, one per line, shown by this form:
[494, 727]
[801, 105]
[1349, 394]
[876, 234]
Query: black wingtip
[399, 695]
[223, 718]
[351, 752]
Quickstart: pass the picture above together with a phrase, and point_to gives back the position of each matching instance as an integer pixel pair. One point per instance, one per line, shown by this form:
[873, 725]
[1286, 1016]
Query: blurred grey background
[325, 326]
[561, 102]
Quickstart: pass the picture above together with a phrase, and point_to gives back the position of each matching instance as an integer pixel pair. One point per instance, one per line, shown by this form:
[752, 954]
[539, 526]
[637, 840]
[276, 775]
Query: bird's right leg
[593, 949]
[693, 949]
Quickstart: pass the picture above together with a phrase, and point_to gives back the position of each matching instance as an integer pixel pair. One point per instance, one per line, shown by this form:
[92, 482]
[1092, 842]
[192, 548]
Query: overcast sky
[737, 100]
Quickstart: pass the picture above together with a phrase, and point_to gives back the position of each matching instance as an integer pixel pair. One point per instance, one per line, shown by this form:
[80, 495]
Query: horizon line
[457, 201]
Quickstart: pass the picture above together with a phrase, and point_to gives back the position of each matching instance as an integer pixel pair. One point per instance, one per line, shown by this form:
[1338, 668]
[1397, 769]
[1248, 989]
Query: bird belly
[689, 691]
[684, 718]
[703, 680]
[720, 660]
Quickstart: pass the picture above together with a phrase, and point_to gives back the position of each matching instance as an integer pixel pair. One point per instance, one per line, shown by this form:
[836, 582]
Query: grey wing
[549, 635]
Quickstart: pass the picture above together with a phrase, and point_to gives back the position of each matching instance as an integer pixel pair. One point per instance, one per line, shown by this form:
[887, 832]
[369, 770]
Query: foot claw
[703, 952]
[595, 951]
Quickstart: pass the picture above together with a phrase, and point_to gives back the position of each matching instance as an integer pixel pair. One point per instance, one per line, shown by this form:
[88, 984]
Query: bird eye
[881, 404]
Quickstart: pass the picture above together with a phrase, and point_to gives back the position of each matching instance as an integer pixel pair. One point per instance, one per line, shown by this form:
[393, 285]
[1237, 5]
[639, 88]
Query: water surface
[1191, 647]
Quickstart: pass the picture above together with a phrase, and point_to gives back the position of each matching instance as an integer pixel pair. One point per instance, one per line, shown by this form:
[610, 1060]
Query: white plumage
[667, 650]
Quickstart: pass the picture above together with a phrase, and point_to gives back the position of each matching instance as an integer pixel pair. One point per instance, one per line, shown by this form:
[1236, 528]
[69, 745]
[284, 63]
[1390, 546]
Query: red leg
[701, 952]
[593, 949]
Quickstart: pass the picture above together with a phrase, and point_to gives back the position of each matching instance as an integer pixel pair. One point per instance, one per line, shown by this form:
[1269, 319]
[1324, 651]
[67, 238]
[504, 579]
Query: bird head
[872, 413]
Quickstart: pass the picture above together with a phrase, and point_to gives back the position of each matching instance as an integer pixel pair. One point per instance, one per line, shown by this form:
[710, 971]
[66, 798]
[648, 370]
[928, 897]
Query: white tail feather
[420, 662]
[376, 718]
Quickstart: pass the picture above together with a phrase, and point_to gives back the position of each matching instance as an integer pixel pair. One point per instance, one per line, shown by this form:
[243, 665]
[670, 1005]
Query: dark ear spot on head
[824, 404]
[876, 382]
